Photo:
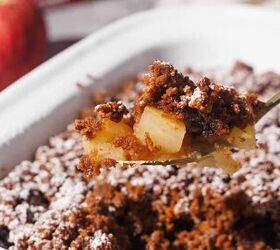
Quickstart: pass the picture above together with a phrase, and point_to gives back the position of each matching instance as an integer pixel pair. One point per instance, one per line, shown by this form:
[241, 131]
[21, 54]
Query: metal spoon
[269, 105]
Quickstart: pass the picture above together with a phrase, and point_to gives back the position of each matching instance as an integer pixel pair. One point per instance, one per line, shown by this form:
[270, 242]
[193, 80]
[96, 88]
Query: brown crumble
[115, 111]
[208, 108]
[88, 126]
[132, 146]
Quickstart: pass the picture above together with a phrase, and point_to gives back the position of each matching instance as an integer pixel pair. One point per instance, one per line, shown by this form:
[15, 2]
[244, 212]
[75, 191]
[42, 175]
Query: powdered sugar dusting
[32, 196]
[101, 241]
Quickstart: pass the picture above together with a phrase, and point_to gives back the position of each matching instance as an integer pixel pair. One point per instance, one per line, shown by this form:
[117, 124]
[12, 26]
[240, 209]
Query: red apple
[23, 39]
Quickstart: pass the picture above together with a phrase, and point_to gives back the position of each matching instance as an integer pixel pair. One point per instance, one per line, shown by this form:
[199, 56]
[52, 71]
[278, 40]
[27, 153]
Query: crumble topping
[207, 108]
[40, 201]
[112, 110]
[90, 168]
[132, 146]
[88, 126]
[185, 208]
[102, 241]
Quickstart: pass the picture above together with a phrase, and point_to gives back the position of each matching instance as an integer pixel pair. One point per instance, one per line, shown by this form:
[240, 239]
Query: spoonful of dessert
[173, 121]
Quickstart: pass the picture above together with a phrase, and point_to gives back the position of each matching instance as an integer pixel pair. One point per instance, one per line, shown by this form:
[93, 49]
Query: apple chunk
[110, 130]
[220, 158]
[100, 151]
[243, 138]
[165, 131]
[223, 158]
[101, 147]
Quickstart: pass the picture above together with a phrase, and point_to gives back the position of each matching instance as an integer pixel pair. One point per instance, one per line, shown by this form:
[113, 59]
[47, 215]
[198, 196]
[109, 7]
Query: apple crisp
[171, 118]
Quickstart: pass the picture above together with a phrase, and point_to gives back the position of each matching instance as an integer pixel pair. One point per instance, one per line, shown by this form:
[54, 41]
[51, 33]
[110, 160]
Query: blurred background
[32, 31]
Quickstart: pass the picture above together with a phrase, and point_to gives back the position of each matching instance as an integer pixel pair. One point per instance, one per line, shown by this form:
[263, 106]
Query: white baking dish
[43, 102]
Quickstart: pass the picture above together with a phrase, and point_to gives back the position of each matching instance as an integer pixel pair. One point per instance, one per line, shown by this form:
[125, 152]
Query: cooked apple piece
[166, 132]
[207, 161]
[99, 151]
[220, 158]
[101, 147]
[224, 160]
[242, 138]
[110, 130]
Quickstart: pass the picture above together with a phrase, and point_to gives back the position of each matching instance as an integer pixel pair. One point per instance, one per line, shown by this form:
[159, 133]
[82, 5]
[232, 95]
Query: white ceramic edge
[24, 103]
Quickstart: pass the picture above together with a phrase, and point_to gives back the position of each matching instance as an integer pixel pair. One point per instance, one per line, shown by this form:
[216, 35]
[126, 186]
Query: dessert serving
[46, 203]
[172, 118]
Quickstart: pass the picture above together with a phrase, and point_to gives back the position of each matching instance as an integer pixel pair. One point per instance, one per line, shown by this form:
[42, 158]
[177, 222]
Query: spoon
[269, 105]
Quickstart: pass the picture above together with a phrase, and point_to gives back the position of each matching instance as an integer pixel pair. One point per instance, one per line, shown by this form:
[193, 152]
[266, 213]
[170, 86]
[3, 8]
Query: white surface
[78, 20]
[44, 101]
